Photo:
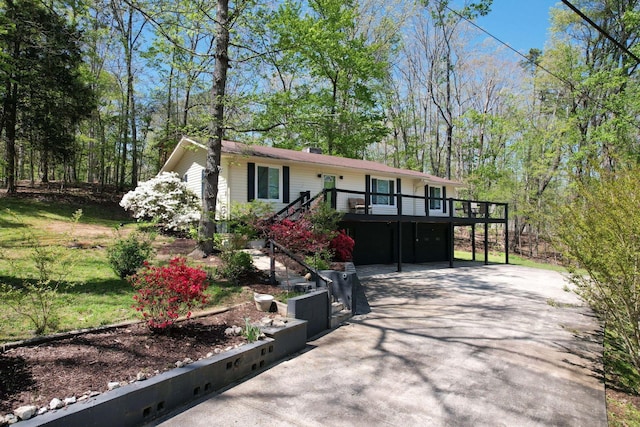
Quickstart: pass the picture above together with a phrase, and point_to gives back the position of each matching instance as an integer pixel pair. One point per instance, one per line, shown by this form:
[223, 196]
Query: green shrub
[320, 260]
[127, 255]
[250, 219]
[235, 264]
[599, 234]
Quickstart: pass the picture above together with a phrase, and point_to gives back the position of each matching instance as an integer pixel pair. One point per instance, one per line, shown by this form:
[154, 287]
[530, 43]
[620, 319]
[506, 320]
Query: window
[385, 187]
[268, 183]
[435, 198]
[185, 177]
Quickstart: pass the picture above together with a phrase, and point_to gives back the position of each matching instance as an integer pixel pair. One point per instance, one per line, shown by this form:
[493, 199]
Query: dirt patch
[77, 366]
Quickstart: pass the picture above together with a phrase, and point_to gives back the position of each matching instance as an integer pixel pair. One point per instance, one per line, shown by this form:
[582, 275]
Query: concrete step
[336, 307]
[338, 318]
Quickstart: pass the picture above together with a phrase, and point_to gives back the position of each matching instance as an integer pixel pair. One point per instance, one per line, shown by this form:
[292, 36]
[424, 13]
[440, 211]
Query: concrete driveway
[470, 346]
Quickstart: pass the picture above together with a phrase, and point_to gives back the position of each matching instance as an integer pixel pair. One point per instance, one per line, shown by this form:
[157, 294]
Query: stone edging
[141, 402]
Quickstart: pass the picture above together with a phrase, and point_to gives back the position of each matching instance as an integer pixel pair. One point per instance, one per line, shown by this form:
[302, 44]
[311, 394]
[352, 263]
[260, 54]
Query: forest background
[100, 91]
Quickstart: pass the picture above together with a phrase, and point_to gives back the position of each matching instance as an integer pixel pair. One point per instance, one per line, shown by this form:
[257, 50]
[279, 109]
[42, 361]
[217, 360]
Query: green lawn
[90, 294]
[498, 258]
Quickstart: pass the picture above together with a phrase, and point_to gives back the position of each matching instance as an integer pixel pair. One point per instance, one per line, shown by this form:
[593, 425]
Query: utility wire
[601, 30]
[562, 79]
[526, 58]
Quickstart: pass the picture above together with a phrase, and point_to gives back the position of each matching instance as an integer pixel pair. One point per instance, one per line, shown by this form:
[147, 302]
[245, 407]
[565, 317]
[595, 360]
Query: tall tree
[328, 75]
[216, 130]
[45, 95]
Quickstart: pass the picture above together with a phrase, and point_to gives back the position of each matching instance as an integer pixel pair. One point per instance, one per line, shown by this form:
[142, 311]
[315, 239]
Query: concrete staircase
[291, 281]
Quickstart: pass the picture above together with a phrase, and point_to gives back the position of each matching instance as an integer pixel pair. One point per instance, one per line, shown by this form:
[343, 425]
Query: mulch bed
[77, 366]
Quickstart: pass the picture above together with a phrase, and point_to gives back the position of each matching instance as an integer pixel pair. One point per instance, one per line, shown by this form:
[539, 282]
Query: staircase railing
[273, 245]
[291, 210]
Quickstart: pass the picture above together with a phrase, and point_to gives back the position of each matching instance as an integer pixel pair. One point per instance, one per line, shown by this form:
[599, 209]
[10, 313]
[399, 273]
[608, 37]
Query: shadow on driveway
[470, 346]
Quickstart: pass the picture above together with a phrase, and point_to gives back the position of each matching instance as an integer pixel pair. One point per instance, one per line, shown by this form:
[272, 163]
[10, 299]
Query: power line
[526, 58]
[601, 30]
[529, 60]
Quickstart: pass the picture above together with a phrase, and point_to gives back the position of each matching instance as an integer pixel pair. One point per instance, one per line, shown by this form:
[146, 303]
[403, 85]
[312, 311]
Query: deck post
[452, 229]
[506, 233]
[473, 241]
[399, 209]
[451, 245]
[486, 243]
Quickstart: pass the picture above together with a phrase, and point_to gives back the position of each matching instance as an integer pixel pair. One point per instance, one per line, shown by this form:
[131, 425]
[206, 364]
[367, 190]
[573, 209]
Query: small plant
[320, 260]
[168, 292]
[36, 297]
[127, 255]
[235, 264]
[251, 332]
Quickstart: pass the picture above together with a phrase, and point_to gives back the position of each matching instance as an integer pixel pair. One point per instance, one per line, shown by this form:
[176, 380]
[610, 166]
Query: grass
[622, 413]
[90, 294]
[513, 259]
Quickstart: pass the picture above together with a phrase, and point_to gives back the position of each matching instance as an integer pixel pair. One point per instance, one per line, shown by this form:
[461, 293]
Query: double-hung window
[384, 190]
[268, 183]
[435, 198]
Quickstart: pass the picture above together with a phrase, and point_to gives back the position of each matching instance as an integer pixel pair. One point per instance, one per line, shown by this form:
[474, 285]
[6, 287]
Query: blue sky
[523, 24]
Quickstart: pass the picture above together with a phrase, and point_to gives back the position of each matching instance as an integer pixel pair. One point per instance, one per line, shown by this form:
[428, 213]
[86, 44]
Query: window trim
[257, 178]
[390, 194]
[435, 203]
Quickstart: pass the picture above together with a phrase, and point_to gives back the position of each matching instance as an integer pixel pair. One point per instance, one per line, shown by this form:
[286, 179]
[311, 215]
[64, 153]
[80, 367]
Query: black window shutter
[392, 200]
[426, 199]
[251, 181]
[444, 199]
[285, 184]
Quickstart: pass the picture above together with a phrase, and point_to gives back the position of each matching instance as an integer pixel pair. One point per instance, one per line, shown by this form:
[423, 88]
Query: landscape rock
[94, 393]
[113, 385]
[70, 400]
[9, 419]
[25, 412]
[43, 410]
[266, 321]
[83, 398]
[56, 403]
[179, 364]
[141, 376]
[233, 331]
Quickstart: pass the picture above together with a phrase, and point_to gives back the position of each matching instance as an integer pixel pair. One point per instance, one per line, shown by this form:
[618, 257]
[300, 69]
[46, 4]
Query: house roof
[236, 148]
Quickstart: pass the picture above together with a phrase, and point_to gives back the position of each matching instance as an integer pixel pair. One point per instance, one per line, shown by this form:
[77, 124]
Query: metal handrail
[273, 245]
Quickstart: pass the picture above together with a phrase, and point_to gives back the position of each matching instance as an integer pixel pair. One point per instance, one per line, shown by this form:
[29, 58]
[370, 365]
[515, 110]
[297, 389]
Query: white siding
[191, 166]
[232, 184]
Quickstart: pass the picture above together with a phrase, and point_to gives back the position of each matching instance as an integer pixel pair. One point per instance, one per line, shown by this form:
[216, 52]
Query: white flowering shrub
[164, 199]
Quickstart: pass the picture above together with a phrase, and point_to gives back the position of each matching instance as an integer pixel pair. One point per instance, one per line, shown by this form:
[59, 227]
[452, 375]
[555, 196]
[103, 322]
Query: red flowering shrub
[342, 247]
[168, 292]
[298, 236]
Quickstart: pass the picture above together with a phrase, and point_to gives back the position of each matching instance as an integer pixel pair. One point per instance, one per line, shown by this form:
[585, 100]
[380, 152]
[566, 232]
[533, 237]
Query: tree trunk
[214, 144]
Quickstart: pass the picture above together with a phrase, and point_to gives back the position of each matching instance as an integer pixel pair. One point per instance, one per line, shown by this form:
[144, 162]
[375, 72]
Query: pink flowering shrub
[168, 292]
[342, 247]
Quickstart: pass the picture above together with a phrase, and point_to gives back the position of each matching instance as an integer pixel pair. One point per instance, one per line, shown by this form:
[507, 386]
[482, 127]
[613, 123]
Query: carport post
[473, 241]
[451, 234]
[506, 234]
[399, 209]
[486, 243]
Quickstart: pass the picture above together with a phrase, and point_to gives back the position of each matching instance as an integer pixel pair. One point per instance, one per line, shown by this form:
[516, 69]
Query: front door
[435, 201]
[329, 184]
